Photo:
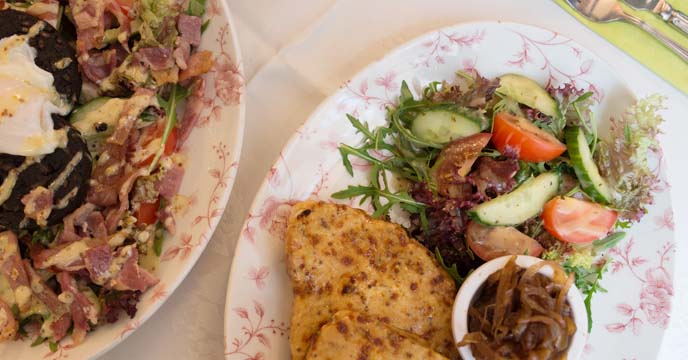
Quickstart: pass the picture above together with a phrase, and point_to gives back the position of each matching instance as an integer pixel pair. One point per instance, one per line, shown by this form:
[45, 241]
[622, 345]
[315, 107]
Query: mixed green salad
[493, 167]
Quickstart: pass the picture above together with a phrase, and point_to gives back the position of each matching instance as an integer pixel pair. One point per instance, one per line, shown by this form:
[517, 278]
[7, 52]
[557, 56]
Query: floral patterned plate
[629, 320]
[212, 152]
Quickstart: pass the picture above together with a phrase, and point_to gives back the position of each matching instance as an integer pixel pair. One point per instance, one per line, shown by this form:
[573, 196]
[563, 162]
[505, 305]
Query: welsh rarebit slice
[353, 336]
[339, 258]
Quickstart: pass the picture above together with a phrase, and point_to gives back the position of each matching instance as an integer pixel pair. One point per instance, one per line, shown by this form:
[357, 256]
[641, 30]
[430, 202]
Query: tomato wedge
[170, 147]
[577, 221]
[529, 141]
[490, 242]
[147, 213]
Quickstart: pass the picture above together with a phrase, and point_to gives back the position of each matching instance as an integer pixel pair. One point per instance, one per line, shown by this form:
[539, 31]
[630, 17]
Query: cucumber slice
[529, 93]
[97, 118]
[581, 158]
[443, 125]
[519, 205]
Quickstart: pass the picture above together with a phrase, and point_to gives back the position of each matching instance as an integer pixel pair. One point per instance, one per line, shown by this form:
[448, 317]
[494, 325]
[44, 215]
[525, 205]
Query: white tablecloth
[296, 53]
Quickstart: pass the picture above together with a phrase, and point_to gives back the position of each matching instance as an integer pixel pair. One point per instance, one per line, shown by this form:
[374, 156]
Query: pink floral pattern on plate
[217, 130]
[310, 167]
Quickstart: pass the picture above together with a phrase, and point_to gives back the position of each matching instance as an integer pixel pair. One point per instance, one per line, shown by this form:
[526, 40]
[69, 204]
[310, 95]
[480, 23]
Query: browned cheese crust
[354, 336]
[339, 258]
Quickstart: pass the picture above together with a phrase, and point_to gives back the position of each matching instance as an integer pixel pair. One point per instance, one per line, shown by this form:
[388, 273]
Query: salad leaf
[452, 271]
[623, 157]
[196, 8]
[376, 194]
[608, 242]
[158, 238]
[587, 281]
[177, 95]
[157, 22]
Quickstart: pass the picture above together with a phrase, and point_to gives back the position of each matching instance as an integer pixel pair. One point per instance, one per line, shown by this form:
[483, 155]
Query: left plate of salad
[121, 124]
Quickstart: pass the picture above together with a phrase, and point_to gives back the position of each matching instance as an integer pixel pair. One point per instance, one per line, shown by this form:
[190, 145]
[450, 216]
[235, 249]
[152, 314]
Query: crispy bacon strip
[131, 276]
[82, 309]
[115, 216]
[72, 220]
[8, 325]
[57, 309]
[38, 204]
[11, 267]
[110, 174]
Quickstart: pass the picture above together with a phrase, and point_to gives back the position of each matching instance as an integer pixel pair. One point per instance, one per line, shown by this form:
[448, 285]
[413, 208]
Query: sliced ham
[94, 225]
[131, 276]
[100, 65]
[132, 109]
[98, 260]
[189, 28]
[38, 204]
[65, 257]
[57, 309]
[155, 58]
[13, 270]
[168, 185]
[182, 53]
[113, 217]
[70, 222]
[89, 20]
[111, 172]
[82, 309]
[8, 324]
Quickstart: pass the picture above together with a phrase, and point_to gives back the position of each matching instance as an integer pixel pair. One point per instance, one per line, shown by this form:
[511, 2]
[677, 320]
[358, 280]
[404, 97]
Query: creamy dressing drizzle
[60, 179]
[11, 179]
[64, 202]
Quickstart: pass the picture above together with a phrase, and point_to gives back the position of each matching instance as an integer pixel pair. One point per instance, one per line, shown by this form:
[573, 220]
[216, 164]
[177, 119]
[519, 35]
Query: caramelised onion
[521, 314]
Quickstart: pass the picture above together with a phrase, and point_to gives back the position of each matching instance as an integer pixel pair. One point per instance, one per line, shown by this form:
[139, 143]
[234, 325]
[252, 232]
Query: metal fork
[610, 10]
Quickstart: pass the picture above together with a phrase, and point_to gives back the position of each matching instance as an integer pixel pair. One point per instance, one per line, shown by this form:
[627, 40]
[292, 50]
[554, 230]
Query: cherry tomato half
[529, 141]
[577, 221]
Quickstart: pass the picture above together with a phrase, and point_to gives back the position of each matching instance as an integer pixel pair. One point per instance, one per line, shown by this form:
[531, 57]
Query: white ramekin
[474, 283]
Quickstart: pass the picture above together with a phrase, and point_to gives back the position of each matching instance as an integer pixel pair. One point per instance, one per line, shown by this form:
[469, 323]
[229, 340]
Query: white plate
[213, 151]
[629, 321]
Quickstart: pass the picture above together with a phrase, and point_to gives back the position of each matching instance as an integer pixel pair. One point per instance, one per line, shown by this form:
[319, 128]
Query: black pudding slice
[67, 170]
[54, 54]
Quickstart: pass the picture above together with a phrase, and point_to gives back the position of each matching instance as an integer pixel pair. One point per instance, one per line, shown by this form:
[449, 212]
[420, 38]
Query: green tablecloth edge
[642, 46]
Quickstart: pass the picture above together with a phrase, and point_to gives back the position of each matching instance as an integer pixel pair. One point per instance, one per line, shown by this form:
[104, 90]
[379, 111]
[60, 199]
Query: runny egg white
[27, 101]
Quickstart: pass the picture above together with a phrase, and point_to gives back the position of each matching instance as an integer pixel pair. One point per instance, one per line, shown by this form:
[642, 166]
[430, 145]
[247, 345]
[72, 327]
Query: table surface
[296, 53]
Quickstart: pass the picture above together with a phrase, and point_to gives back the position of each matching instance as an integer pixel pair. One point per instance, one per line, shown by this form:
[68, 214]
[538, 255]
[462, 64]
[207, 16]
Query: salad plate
[209, 156]
[629, 319]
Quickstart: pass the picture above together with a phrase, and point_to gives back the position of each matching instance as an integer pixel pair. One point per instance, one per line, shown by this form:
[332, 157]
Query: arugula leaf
[177, 95]
[43, 237]
[158, 239]
[205, 25]
[39, 340]
[608, 242]
[53, 346]
[375, 193]
[453, 271]
[588, 282]
[196, 8]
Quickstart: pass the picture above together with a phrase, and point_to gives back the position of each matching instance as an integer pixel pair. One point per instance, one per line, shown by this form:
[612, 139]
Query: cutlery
[664, 10]
[610, 10]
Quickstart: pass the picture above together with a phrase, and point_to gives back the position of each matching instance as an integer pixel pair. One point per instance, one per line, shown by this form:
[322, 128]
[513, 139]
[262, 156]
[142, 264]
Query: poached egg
[27, 101]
